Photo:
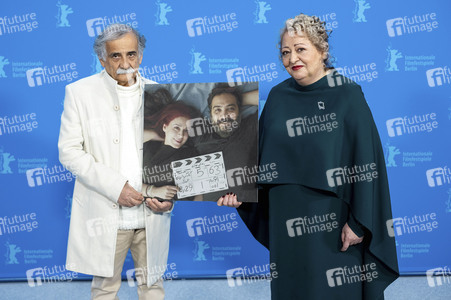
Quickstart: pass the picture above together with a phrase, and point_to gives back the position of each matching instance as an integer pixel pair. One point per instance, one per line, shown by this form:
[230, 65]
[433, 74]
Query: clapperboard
[200, 174]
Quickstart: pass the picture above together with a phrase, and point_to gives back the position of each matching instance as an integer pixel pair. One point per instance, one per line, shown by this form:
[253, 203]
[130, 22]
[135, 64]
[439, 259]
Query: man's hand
[158, 206]
[166, 192]
[229, 199]
[129, 196]
[349, 238]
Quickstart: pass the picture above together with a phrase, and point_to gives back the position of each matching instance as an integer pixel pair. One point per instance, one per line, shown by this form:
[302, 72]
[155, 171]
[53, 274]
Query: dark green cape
[305, 158]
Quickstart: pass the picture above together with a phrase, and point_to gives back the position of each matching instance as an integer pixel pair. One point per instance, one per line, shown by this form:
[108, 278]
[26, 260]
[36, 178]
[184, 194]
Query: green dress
[330, 170]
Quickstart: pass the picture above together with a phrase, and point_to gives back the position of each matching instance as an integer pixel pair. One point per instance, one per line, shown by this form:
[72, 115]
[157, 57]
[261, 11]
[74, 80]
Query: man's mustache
[227, 120]
[125, 71]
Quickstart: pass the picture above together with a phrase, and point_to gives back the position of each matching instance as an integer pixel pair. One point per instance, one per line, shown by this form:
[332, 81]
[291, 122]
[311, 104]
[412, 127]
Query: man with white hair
[101, 143]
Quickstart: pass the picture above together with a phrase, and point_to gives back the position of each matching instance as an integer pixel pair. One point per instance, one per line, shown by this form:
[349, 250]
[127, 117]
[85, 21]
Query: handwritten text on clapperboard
[200, 175]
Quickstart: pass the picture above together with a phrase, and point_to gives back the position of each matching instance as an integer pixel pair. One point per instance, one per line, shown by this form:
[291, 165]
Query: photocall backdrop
[397, 51]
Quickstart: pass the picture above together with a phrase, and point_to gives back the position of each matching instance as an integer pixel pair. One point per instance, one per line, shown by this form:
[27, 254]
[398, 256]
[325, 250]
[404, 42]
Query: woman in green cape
[325, 217]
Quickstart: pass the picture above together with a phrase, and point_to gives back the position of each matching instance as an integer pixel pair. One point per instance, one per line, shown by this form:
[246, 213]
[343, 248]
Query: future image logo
[18, 123]
[141, 274]
[160, 73]
[412, 225]
[350, 175]
[100, 226]
[35, 177]
[411, 25]
[352, 74]
[235, 76]
[394, 227]
[348, 275]
[40, 176]
[195, 227]
[246, 275]
[264, 72]
[95, 26]
[438, 76]
[438, 276]
[311, 125]
[37, 276]
[211, 25]
[411, 125]
[250, 175]
[313, 224]
[209, 225]
[54, 74]
[35, 77]
[18, 23]
[438, 176]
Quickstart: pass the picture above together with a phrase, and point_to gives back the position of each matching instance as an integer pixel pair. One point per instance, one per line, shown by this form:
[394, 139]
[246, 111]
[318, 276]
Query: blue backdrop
[397, 51]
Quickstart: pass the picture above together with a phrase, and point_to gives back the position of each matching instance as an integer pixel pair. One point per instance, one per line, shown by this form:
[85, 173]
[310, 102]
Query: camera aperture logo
[18, 223]
[309, 125]
[310, 225]
[210, 225]
[438, 176]
[246, 175]
[346, 275]
[410, 225]
[211, 25]
[411, 25]
[411, 125]
[353, 174]
[248, 275]
[18, 23]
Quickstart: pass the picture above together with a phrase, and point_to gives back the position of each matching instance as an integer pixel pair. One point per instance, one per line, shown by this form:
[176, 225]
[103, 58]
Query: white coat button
[116, 141]
[114, 205]
[116, 107]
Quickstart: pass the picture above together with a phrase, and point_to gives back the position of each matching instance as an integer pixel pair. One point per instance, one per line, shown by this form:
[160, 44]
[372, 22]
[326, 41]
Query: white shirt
[130, 166]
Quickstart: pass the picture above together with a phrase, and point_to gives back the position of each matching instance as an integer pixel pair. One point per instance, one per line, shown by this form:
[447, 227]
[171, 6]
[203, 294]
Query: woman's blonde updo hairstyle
[314, 29]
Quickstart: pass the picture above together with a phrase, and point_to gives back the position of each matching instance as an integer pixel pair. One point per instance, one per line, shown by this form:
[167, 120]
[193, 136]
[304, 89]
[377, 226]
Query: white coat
[89, 146]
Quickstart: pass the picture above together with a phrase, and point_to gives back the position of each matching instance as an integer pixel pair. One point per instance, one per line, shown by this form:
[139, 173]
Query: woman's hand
[166, 192]
[349, 238]
[229, 199]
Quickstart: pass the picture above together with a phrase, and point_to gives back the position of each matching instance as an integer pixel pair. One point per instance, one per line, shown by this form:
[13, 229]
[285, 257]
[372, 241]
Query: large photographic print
[200, 139]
